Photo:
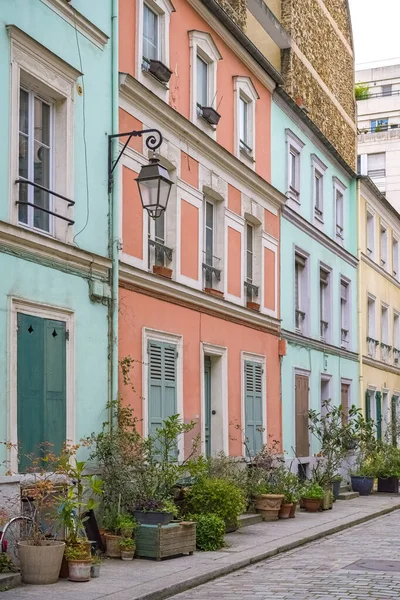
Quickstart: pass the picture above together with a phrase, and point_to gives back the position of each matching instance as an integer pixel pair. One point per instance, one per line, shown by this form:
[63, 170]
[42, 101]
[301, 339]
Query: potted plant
[336, 481]
[312, 495]
[287, 484]
[387, 468]
[127, 546]
[95, 568]
[155, 512]
[127, 525]
[268, 501]
[79, 562]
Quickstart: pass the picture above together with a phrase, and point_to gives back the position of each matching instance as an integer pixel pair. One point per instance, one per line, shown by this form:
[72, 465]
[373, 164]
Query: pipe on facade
[114, 208]
[359, 284]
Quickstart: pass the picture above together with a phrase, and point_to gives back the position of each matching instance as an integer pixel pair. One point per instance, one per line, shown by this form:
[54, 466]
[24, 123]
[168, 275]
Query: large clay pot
[40, 565]
[311, 504]
[112, 545]
[268, 506]
[79, 570]
[292, 513]
[284, 512]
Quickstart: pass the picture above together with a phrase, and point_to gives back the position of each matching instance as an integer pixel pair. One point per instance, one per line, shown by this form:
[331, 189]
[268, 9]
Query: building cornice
[367, 185]
[142, 282]
[378, 364]
[293, 217]
[48, 251]
[142, 98]
[306, 342]
[371, 263]
[69, 13]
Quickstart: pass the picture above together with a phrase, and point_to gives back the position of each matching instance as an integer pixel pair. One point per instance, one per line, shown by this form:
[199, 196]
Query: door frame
[260, 359]
[155, 335]
[304, 373]
[44, 311]
[221, 352]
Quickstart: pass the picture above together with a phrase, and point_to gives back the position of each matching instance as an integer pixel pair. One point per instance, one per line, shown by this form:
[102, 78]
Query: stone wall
[340, 11]
[237, 11]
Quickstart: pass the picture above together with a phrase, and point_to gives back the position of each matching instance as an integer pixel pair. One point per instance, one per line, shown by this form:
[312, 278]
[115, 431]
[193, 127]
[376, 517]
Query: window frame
[318, 169]
[157, 14]
[218, 241]
[371, 325]
[395, 256]
[294, 146]
[370, 232]
[301, 258]
[385, 332]
[325, 303]
[339, 189]
[383, 245]
[345, 319]
[396, 337]
[244, 90]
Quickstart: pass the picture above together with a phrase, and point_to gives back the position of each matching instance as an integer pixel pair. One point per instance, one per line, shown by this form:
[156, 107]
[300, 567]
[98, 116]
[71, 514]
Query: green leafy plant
[6, 564]
[126, 525]
[311, 490]
[217, 496]
[210, 531]
[77, 551]
[127, 543]
[361, 91]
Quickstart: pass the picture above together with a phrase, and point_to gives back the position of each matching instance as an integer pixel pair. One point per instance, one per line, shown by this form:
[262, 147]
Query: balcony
[212, 274]
[38, 203]
[300, 318]
[252, 292]
[159, 256]
[396, 357]
[385, 352]
[344, 338]
[371, 346]
[324, 325]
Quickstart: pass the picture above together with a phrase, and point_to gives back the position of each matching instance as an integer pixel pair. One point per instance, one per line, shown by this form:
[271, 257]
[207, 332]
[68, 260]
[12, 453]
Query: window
[162, 384]
[294, 147]
[385, 348]
[212, 246]
[245, 110]
[209, 242]
[300, 293]
[249, 262]
[339, 190]
[339, 214]
[318, 193]
[344, 312]
[204, 57]
[371, 337]
[324, 305]
[370, 233]
[325, 393]
[35, 160]
[384, 241]
[395, 257]
[318, 168]
[253, 402]
[378, 125]
[159, 254]
[387, 89]
[150, 34]
[396, 338]
[376, 165]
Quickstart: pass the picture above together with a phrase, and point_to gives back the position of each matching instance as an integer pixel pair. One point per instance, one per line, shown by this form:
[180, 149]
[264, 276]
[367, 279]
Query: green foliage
[6, 564]
[288, 484]
[361, 91]
[383, 462]
[218, 496]
[311, 490]
[77, 551]
[127, 543]
[210, 530]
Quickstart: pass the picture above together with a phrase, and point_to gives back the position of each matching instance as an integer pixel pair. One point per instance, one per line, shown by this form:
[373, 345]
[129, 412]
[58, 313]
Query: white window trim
[338, 186]
[396, 314]
[293, 142]
[395, 241]
[163, 8]
[348, 282]
[325, 378]
[318, 167]
[305, 301]
[218, 238]
[244, 88]
[201, 44]
[385, 306]
[371, 334]
[384, 226]
[238, 224]
[221, 352]
[267, 244]
[44, 311]
[196, 199]
[154, 335]
[370, 252]
[38, 69]
[260, 359]
[329, 304]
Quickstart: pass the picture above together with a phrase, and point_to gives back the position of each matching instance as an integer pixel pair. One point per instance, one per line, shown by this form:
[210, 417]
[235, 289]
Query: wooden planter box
[163, 541]
[213, 292]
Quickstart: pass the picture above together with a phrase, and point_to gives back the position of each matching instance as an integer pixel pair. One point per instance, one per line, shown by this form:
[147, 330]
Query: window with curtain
[150, 34]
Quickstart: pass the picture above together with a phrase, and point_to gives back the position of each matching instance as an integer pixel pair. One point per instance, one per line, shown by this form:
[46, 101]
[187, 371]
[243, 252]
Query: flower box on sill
[163, 271]
[210, 115]
[159, 71]
[253, 305]
[213, 292]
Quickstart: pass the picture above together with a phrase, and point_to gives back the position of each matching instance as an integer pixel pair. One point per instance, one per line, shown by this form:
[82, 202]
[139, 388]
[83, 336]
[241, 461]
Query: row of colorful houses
[264, 289]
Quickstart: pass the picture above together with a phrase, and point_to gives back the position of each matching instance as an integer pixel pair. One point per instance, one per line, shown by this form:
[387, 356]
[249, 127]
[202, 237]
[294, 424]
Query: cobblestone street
[321, 570]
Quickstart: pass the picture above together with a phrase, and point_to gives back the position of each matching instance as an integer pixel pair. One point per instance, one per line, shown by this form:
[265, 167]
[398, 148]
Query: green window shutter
[367, 406]
[41, 385]
[393, 420]
[162, 383]
[378, 401]
[253, 406]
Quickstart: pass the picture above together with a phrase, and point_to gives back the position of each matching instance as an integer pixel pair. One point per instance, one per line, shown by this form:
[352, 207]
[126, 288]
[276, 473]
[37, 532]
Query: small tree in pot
[312, 495]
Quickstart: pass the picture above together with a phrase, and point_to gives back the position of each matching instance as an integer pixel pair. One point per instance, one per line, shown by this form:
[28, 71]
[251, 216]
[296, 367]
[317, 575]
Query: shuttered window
[377, 165]
[41, 386]
[378, 400]
[253, 374]
[367, 406]
[162, 383]
[393, 420]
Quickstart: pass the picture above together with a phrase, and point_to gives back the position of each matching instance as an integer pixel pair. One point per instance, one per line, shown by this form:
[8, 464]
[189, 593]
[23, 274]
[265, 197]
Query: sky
[376, 31]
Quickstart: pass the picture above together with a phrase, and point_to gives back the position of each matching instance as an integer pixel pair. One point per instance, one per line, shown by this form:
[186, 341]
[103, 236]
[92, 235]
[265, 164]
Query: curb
[197, 580]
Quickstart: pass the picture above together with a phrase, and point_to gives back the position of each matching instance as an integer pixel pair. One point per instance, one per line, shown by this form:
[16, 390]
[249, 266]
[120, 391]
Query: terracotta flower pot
[128, 554]
[163, 271]
[79, 570]
[284, 512]
[292, 513]
[268, 506]
[112, 545]
[253, 306]
[311, 504]
[40, 565]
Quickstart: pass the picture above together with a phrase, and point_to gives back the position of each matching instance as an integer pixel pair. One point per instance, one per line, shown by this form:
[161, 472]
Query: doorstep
[9, 581]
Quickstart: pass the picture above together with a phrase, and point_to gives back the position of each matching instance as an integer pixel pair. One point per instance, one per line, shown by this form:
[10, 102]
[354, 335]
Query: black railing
[161, 249]
[379, 128]
[45, 210]
[251, 290]
[210, 269]
[379, 95]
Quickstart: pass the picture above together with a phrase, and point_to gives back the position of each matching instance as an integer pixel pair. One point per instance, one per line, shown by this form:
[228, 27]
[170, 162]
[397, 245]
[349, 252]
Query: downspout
[114, 207]
[359, 310]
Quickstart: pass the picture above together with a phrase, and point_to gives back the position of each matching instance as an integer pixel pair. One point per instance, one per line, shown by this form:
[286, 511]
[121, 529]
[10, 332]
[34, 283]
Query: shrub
[210, 530]
[312, 491]
[219, 497]
[6, 564]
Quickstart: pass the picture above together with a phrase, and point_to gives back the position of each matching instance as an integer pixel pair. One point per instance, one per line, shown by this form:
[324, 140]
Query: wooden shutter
[162, 383]
[41, 385]
[378, 401]
[345, 403]
[301, 400]
[367, 406]
[253, 373]
[393, 420]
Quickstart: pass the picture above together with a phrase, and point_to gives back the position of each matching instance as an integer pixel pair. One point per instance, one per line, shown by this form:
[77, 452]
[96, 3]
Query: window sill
[213, 292]
[151, 77]
[162, 271]
[253, 306]
[246, 156]
[293, 197]
[202, 122]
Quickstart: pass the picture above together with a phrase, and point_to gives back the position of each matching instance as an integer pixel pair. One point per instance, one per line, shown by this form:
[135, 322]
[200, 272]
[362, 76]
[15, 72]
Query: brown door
[302, 434]
[345, 403]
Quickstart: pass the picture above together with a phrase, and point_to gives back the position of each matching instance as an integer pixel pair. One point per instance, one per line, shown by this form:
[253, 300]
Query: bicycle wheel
[16, 530]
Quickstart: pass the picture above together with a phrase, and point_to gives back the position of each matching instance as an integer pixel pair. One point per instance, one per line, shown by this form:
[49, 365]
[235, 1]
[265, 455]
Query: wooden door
[207, 404]
[301, 401]
[345, 403]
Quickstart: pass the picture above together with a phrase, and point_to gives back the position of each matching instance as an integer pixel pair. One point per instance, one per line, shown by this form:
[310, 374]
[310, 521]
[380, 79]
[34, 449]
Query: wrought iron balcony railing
[21, 181]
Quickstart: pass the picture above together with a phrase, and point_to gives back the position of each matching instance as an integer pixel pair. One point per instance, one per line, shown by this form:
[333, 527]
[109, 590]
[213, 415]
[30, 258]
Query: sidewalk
[151, 580]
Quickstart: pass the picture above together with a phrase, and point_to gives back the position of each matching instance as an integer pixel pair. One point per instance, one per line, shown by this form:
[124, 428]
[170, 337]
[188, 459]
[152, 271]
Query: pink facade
[199, 297]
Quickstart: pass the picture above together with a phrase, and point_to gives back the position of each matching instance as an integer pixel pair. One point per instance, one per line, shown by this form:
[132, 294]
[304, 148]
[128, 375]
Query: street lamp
[153, 180]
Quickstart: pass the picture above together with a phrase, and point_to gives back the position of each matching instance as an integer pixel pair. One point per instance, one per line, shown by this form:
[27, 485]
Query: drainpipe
[359, 311]
[114, 206]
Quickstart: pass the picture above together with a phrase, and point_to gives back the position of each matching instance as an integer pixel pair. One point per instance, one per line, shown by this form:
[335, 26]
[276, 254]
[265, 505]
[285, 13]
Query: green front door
[253, 406]
[378, 399]
[207, 404]
[41, 386]
[162, 384]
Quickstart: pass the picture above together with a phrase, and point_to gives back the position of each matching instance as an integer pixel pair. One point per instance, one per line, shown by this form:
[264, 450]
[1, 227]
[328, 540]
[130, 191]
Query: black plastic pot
[160, 71]
[210, 115]
[336, 488]
[362, 485]
[390, 485]
[153, 517]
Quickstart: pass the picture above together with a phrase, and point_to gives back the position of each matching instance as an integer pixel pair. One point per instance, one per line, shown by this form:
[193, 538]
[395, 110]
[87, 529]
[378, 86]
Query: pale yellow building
[379, 305]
